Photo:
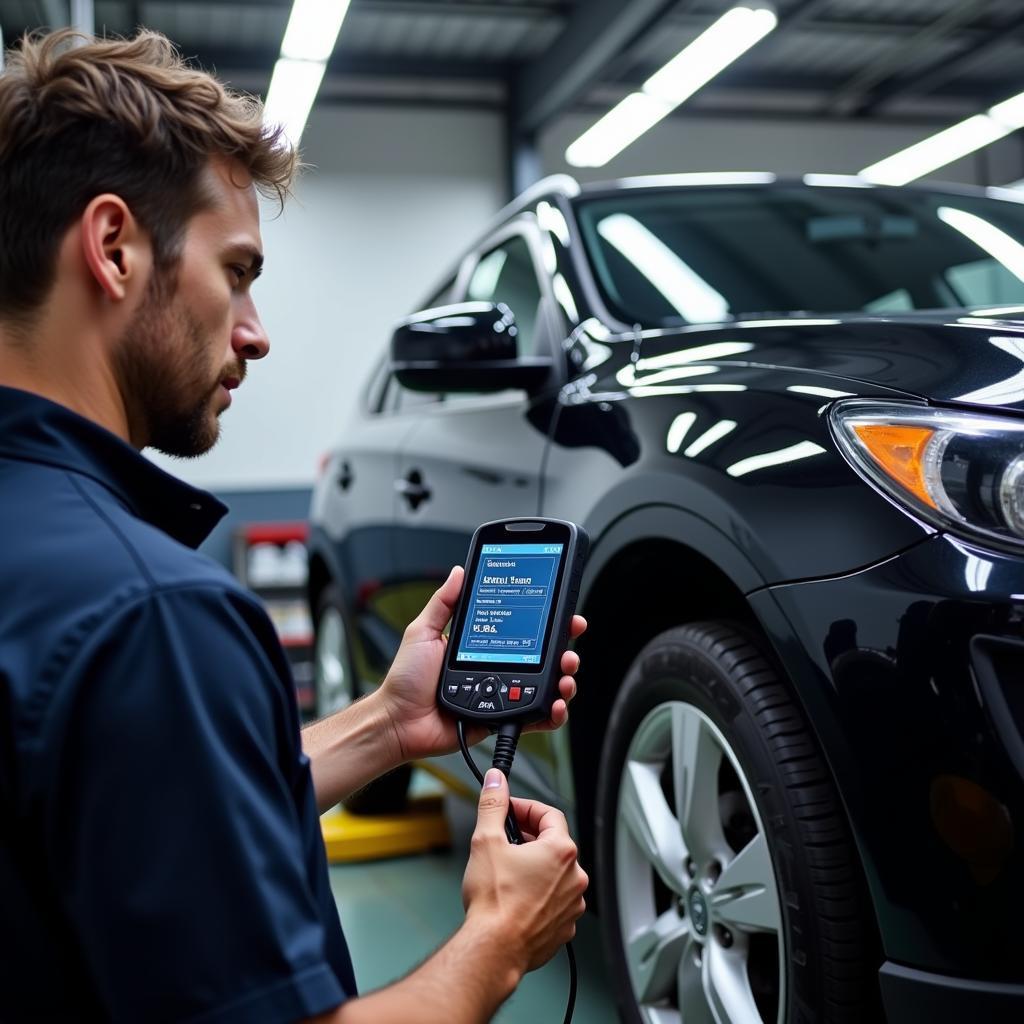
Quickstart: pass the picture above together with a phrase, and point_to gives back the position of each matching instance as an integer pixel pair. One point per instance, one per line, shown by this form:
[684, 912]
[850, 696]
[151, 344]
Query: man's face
[187, 345]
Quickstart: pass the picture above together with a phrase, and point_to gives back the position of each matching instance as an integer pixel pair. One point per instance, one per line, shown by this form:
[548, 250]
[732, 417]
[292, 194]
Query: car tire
[742, 901]
[337, 686]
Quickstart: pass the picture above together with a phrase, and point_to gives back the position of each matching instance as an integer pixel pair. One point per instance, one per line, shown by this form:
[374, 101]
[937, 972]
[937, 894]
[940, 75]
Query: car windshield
[689, 255]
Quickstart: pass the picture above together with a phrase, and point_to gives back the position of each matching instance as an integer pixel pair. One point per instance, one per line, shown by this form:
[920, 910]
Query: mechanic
[160, 853]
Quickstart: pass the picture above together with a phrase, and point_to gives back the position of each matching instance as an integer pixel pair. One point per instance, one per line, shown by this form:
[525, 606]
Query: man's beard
[163, 366]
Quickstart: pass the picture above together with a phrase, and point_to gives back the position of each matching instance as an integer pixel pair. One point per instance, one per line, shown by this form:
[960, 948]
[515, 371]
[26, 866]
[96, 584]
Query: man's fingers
[567, 688]
[578, 627]
[490, 819]
[430, 622]
[537, 818]
[570, 663]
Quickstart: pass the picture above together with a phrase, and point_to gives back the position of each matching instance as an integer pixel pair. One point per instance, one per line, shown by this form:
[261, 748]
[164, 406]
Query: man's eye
[239, 272]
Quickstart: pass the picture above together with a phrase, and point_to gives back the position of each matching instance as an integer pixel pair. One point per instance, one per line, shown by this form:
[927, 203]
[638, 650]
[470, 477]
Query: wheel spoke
[693, 1003]
[745, 896]
[646, 814]
[696, 757]
[727, 987]
[653, 954]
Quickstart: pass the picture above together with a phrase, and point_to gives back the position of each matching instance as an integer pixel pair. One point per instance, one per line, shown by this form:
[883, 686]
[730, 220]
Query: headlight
[962, 471]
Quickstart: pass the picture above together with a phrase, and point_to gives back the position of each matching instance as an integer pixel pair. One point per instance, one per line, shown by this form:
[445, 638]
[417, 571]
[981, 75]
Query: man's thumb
[493, 801]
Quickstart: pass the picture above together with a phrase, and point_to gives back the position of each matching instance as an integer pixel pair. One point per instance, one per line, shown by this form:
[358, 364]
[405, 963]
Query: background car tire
[703, 713]
[337, 686]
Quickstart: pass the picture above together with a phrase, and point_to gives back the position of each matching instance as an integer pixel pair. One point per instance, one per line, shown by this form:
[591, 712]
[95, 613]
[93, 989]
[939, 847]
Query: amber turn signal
[900, 451]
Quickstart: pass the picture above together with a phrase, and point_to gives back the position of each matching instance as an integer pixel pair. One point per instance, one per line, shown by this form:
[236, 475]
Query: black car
[790, 414]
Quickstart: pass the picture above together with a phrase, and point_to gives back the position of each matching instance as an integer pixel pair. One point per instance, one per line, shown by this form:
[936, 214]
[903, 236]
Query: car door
[354, 507]
[474, 458]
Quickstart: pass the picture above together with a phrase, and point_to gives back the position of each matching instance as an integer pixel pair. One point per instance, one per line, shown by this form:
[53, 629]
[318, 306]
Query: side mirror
[470, 346]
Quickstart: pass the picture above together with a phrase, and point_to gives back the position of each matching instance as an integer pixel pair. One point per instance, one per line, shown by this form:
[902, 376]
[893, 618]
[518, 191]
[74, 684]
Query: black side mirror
[470, 346]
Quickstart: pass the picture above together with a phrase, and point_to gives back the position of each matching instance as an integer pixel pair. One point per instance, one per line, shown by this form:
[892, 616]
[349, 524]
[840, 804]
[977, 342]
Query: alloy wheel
[697, 897]
[334, 684]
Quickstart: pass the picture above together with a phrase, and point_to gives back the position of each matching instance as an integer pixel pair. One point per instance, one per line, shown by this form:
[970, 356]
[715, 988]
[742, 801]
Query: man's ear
[117, 251]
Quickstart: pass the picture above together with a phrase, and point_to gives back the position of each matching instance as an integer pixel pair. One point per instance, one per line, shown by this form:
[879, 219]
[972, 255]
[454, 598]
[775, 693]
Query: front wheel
[336, 688]
[729, 886]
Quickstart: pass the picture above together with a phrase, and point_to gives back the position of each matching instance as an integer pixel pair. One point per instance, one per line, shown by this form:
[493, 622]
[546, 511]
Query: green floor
[396, 912]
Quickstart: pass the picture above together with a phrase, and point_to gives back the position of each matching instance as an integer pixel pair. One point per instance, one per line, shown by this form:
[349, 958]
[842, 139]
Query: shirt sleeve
[174, 819]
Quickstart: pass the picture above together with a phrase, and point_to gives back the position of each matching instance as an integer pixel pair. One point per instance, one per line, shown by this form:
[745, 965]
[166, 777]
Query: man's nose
[248, 338]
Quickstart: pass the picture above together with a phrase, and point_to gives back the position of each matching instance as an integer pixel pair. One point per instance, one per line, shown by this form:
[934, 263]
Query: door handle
[345, 477]
[413, 489]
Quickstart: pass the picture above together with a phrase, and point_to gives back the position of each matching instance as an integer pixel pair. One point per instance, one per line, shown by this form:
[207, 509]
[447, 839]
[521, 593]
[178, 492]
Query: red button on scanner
[514, 693]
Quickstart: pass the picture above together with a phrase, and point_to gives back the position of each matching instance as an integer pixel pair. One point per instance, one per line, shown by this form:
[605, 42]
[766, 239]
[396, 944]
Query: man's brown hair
[80, 117]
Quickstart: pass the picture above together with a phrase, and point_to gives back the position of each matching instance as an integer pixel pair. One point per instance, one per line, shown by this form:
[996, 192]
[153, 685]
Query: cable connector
[504, 754]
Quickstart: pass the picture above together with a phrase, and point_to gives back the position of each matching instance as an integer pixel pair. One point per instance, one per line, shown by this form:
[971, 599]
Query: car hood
[971, 360]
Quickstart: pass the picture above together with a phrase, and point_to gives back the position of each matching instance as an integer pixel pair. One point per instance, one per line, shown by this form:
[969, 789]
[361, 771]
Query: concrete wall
[392, 198]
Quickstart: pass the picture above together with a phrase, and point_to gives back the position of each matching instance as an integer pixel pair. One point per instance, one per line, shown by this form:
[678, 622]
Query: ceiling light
[693, 67]
[948, 145]
[313, 29]
[710, 53]
[293, 89]
[308, 42]
[623, 124]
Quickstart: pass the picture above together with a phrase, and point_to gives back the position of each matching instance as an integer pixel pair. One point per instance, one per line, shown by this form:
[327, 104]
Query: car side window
[506, 274]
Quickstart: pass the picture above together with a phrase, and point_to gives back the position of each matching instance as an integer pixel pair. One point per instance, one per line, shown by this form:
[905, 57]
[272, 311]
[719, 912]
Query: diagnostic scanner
[512, 620]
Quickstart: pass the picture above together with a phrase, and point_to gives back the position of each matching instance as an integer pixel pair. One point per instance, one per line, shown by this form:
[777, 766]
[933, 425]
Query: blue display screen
[509, 601]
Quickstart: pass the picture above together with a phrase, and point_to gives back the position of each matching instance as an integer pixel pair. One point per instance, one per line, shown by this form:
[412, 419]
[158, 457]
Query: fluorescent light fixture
[946, 146]
[313, 29]
[293, 89]
[308, 42]
[803, 450]
[623, 124]
[710, 53]
[710, 436]
[684, 290]
[693, 67]
[997, 243]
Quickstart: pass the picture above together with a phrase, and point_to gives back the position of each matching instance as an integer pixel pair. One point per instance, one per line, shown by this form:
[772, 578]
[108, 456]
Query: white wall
[393, 198]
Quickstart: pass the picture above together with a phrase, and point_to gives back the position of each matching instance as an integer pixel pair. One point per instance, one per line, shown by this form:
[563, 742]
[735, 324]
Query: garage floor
[396, 912]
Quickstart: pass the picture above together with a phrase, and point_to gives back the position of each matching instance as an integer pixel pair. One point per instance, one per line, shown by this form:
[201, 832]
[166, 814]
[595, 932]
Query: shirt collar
[35, 429]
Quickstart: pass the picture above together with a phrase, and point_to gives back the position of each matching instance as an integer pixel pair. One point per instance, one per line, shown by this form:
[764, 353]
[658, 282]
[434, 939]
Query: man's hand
[409, 693]
[532, 893]
[522, 903]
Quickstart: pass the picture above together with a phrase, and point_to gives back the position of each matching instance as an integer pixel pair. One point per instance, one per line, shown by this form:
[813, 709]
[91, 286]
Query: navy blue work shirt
[160, 850]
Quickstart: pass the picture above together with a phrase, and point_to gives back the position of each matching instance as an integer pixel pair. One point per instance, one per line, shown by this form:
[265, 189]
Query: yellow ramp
[354, 837]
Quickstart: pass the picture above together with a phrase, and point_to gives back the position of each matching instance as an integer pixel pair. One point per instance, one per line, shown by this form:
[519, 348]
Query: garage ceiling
[913, 59]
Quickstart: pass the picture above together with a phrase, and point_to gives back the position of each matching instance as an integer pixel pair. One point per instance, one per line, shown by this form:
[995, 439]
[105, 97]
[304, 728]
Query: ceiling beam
[901, 56]
[595, 33]
[939, 71]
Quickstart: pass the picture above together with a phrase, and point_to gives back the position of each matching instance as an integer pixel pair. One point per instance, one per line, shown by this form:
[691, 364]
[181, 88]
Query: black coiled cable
[504, 754]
